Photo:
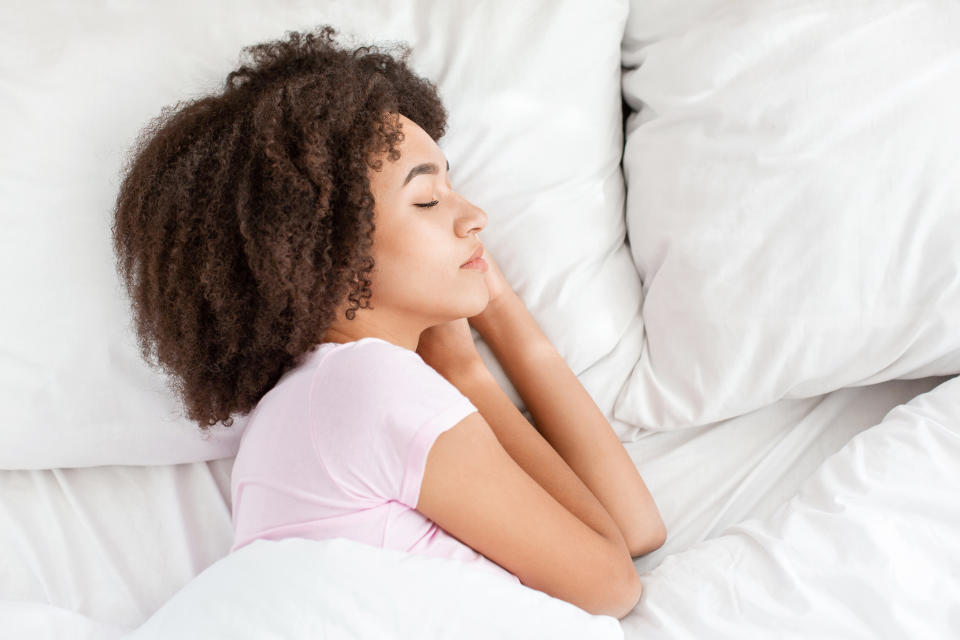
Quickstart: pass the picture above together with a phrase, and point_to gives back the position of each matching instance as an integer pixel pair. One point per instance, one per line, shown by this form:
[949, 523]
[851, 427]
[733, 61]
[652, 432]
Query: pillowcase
[793, 201]
[339, 588]
[534, 138]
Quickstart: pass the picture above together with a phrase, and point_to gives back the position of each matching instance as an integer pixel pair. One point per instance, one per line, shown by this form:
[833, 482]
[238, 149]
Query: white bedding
[792, 225]
[93, 552]
[869, 548]
[793, 201]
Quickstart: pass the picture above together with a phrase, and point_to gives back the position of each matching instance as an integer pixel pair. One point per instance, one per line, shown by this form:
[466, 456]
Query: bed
[745, 219]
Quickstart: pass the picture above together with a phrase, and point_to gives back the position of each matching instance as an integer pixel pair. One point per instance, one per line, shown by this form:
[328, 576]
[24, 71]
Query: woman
[294, 251]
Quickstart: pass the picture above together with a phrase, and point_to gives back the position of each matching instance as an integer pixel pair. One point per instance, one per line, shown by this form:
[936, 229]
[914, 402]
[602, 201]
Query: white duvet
[868, 548]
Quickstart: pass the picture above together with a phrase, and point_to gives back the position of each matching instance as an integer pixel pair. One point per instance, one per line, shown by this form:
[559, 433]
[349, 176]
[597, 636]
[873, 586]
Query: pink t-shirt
[337, 448]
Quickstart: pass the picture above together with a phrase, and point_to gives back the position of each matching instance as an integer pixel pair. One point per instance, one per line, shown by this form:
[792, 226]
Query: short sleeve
[376, 410]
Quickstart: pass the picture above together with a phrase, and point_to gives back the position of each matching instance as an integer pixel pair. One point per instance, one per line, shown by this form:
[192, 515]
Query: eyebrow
[426, 167]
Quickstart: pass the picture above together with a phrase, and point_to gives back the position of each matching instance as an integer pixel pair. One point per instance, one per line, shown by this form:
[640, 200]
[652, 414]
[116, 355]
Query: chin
[478, 302]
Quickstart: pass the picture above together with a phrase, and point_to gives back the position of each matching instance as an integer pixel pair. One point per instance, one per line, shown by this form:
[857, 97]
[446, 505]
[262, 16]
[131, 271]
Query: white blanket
[868, 548]
[333, 589]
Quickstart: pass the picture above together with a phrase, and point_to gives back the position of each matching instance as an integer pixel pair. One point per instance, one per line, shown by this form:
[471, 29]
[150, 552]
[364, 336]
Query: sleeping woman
[295, 252]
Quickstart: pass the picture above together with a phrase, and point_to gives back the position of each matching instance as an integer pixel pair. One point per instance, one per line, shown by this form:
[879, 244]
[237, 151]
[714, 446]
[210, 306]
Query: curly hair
[245, 218]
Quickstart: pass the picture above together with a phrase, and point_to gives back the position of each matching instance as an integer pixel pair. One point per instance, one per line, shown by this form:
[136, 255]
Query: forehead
[416, 149]
[415, 141]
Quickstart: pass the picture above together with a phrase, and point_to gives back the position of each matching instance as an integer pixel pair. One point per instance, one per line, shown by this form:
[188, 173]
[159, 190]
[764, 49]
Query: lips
[476, 254]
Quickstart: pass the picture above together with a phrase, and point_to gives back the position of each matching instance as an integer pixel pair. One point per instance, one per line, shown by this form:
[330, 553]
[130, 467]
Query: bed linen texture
[793, 201]
[94, 552]
[868, 549]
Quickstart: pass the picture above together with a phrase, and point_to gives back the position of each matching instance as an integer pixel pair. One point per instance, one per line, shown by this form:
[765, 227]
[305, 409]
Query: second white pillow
[793, 201]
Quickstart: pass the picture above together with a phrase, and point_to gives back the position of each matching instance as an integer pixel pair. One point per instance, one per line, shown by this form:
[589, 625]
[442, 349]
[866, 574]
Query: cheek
[416, 255]
[406, 272]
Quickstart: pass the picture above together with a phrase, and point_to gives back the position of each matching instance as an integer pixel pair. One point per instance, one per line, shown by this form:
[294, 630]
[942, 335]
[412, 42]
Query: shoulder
[377, 376]
[373, 353]
[375, 368]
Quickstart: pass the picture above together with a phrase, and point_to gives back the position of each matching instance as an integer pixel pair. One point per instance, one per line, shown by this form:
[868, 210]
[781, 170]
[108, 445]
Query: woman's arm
[566, 415]
[530, 451]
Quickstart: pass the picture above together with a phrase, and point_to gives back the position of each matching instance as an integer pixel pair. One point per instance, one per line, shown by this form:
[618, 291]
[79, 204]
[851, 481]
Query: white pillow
[534, 138]
[339, 588]
[793, 201]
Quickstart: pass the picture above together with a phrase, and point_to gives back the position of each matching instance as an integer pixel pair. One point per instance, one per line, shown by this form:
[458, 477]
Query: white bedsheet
[90, 552]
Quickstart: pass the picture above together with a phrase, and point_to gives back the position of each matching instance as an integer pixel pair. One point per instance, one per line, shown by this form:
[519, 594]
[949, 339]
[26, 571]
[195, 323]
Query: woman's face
[417, 281]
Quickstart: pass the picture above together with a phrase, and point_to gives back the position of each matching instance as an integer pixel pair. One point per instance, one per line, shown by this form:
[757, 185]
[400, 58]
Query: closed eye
[428, 204]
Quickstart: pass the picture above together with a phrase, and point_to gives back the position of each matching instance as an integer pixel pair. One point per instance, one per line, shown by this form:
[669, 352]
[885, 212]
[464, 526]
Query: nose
[472, 218]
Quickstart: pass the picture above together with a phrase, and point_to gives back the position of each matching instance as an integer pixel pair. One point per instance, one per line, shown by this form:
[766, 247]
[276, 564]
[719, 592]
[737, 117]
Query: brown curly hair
[245, 218]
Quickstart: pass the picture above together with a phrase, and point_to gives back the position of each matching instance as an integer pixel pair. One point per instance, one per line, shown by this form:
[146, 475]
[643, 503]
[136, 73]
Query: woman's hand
[449, 348]
[497, 286]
